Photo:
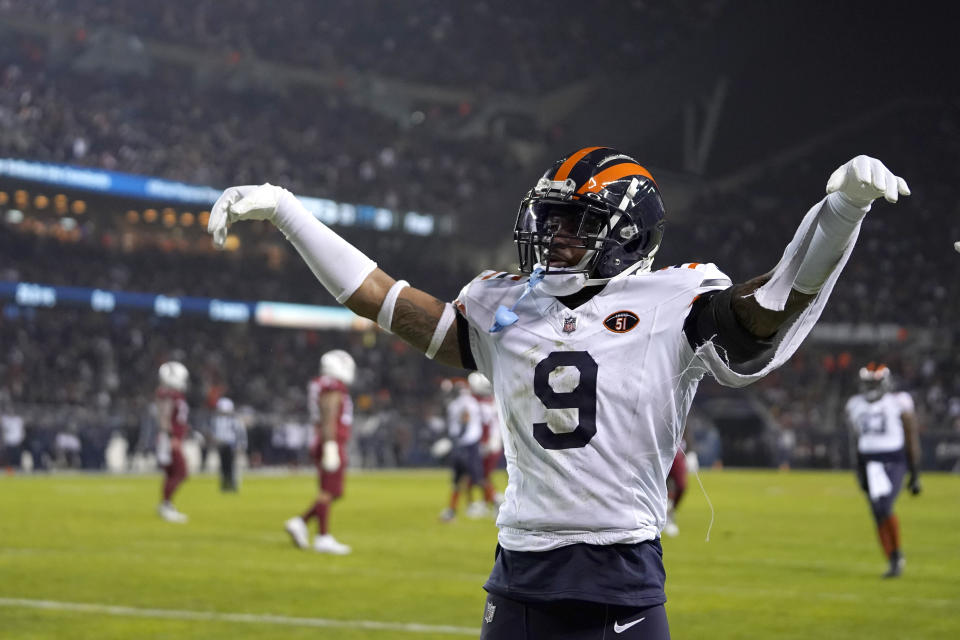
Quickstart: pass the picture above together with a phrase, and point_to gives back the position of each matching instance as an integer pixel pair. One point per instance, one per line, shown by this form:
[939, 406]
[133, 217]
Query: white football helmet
[225, 405]
[174, 375]
[479, 384]
[875, 381]
[339, 365]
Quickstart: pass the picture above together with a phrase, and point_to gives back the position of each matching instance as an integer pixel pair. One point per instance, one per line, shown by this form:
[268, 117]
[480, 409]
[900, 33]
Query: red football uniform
[331, 482]
[678, 473]
[179, 412]
[172, 407]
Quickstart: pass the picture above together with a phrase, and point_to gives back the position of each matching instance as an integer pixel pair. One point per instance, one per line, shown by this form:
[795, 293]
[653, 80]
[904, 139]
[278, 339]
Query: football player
[676, 487]
[884, 424]
[331, 412]
[594, 360]
[464, 429]
[172, 413]
[491, 443]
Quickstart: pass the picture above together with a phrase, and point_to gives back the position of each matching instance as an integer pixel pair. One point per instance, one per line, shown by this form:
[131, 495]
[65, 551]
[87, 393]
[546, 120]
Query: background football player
[464, 429]
[888, 445]
[491, 442]
[331, 411]
[676, 486]
[172, 413]
[12, 434]
[595, 361]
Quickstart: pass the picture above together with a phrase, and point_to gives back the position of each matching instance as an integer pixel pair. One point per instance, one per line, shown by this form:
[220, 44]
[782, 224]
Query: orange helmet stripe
[568, 164]
[612, 174]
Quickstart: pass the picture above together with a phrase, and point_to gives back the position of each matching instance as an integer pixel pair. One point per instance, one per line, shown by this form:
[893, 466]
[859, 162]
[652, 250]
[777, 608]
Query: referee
[230, 436]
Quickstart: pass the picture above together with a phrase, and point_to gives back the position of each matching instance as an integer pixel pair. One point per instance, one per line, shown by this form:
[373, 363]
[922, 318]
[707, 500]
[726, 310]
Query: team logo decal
[569, 325]
[621, 321]
[491, 610]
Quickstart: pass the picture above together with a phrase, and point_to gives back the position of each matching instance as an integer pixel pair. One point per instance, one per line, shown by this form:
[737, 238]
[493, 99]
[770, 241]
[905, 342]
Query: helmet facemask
[553, 221]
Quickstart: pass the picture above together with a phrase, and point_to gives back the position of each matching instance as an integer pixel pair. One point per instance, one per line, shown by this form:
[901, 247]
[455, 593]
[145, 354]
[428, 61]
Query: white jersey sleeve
[905, 400]
[711, 276]
[478, 302]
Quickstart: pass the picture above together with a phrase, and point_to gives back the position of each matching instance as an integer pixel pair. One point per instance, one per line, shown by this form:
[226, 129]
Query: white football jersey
[490, 418]
[879, 424]
[464, 425]
[593, 402]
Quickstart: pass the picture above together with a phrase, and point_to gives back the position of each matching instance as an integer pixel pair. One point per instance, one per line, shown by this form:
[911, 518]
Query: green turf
[791, 555]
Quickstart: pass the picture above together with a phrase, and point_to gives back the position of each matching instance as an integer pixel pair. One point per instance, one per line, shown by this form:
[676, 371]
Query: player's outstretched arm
[912, 439]
[350, 276]
[764, 304]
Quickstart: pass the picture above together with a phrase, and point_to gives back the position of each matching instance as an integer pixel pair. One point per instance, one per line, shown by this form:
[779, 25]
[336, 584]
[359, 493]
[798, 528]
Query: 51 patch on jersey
[621, 321]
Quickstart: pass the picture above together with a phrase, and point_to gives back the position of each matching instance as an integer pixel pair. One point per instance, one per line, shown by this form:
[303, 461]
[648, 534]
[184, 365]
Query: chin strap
[506, 317]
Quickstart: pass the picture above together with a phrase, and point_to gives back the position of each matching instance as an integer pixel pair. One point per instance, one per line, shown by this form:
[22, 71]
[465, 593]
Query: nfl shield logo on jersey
[569, 325]
[488, 616]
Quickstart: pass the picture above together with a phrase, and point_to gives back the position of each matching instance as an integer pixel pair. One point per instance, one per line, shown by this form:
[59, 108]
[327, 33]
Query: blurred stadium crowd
[64, 100]
[458, 36]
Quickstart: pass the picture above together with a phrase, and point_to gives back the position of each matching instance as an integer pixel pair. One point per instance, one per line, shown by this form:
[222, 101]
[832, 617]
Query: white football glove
[330, 461]
[441, 447]
[247, 202]
[864, 179]
[956, 245]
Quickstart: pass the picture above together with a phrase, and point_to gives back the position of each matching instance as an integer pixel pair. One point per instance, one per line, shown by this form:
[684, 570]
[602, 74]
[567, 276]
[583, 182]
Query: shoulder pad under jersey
[488, 291]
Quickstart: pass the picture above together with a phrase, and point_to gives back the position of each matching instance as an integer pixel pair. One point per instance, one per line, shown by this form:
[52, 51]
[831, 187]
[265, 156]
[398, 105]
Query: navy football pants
[506, 619]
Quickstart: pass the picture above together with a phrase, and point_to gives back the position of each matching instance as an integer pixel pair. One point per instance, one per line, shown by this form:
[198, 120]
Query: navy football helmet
[597, 199]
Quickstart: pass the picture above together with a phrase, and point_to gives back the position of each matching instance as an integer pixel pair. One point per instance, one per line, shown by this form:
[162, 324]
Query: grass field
[791, 555]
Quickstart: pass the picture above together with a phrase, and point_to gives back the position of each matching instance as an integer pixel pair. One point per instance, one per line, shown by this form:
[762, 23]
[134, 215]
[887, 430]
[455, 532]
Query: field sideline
[791, 555]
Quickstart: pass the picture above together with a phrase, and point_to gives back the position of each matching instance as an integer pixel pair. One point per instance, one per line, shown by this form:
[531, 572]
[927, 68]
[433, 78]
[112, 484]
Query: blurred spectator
[12, 432]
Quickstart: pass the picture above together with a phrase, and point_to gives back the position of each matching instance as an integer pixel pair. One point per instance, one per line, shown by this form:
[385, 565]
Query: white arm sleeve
[819, 249]
[805, 255]
[339, 266]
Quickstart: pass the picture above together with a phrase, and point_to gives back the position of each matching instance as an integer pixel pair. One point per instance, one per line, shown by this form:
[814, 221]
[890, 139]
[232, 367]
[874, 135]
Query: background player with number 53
[887, 447]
